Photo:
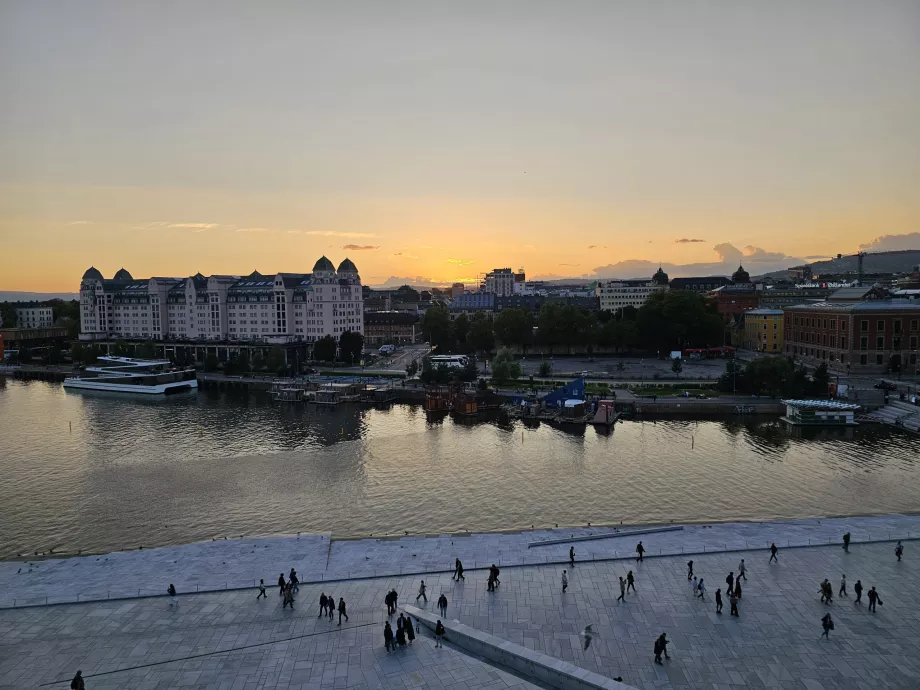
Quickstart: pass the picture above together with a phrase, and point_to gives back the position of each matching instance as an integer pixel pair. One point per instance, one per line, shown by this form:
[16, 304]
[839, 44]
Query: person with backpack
[77, 682]
[846, 542]
[438, 633]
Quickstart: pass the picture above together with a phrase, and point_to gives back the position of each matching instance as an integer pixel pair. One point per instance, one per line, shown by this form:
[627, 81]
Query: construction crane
[859, 265]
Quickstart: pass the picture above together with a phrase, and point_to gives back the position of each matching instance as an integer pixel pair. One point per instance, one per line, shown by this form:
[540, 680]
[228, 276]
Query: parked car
[886, 386]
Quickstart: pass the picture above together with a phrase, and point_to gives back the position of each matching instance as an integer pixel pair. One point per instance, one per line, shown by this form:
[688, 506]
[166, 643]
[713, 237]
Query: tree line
[774, 376]
[667, 321]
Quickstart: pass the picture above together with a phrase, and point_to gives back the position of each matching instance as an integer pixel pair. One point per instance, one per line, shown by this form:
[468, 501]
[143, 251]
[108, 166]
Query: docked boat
[131, 375]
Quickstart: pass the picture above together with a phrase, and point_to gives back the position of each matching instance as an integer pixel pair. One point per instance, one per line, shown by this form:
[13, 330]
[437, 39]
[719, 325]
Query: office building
[391, 328]
[617, 294]
[34, 315]
[763, 330]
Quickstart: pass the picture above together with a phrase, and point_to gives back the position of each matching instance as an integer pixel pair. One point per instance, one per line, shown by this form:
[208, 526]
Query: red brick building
[862, 337]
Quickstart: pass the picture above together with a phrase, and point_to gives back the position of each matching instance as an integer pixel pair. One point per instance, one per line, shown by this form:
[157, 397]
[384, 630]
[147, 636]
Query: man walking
[288, 597]
[773, 551]
[622, 596]
[640, 550]
[322, 604]
[442, 605]
[730, 583]
[458, 570]
[77, 682]
[421, 592]
[295, 583]
[342, 611]
[281, 585]
[899, 551]
[733, 600]
[719, 601]
[741, 569]
[702, 590]
[572, 556]
[261, 590]
[873, 598]
[439, 634]
[630, 582]
[846, 542]
[565, 582]
[843, 586]
[689, 569]
[828, 624]
[858, 589]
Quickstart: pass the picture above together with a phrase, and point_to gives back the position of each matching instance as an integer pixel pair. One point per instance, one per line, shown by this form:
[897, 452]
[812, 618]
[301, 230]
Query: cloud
[817, 256]
[333, 233]
[891, 243]
[416, 281]
[405, 256]
[597, 246]
[252, 229]
[79, 222]
[460, 262]
[728, 253]
[570, 264]
[685, 240]
[193, 226]
[360, 247]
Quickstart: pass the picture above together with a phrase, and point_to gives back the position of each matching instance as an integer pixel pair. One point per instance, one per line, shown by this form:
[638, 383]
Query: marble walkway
[236, 563]
[775, 643]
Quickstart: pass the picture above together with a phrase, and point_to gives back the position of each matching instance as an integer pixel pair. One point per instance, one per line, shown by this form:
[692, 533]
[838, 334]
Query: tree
[258, 361]
[8, 316]
[276, 362]
[677, 366]
[412, 368]
[470, 371]
[430, 374]
[324, 349]
[546, 369]
[504, 368]
[351, 345]
[145, 350]
[437, 328]
[210, 362]
[120, 349]
[54, 355]
[406, 293]
[514, 327]
[481, 339]
[677, 319]
[821, 381]
[25, 355]
[621, 366]
[239, 363]
[461, 329]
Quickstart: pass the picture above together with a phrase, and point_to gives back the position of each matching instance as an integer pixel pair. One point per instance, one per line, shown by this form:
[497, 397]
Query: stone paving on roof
[776, 642]
[241, 562]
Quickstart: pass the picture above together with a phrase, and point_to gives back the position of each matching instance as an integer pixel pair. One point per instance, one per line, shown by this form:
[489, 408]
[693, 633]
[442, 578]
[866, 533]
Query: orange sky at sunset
[437, 142]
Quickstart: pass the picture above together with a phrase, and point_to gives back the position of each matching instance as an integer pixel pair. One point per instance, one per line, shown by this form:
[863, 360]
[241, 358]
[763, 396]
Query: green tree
[211, 363]
[621, 366]
[145, 350]
[54, 355]
[514, 327]
[567, 326]
[324, 349]
[24, 356]
[677, 319]
[437, 328]
[258, 361]
[504, 368]
[546, 368]
[407, 293]
[461, 329]
[470, 371]
[276, 362]
[481, 339]
[821, 381]
[677, 366]
[351, 345]
[8, 317]
[430, 374]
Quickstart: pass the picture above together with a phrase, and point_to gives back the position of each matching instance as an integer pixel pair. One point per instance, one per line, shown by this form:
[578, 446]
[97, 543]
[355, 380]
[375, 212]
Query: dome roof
[92, 273]
[741, 276]
[323, 264]
[123, 275]
[348, 266]
[660, 277]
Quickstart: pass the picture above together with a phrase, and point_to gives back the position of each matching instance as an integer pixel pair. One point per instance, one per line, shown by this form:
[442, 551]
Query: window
[897, 326]
[913, 324]
[879, 359]
[864, 342]
[880, 325]
[913, 342]
[864, 326]
[863, 359]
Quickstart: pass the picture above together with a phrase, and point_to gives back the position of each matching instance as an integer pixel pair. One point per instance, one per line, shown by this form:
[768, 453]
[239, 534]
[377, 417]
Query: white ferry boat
[130, 375]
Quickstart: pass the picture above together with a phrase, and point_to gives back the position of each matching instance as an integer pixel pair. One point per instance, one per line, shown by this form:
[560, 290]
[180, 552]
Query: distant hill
[14, 296]
[881, 262]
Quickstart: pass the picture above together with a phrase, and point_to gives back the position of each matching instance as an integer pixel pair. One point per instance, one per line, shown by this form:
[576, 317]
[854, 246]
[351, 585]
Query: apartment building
[616, 294]
[763, 330]
[503, 282]
[280, 308]
[34, 316]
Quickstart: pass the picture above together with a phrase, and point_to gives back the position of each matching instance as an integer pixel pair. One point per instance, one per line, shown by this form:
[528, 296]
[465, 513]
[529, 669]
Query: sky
[432, 141]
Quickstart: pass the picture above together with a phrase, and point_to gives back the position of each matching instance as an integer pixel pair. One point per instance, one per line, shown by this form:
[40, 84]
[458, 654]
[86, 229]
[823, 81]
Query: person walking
[490, 585]
[388, 600]
[828, 624]
[458, 570]
[639, 550]
[630, 582]
[342, 611]
[295, 583]
[658, 650]
[873, 598]
[719, 601]
[261, 590]
[572, 556]
[495, 571]
[730, 583]
[442, 605]
[737, 588]
[858, 589]
[565, 582]
[281, 585]
[899, 551]
[622, 596]
[401, 637]
[421, 592]
[733, 600]
[438, 634]
[689, 570]
[694, 586]
[701, 588]
[77, 682]
[843, 586]
[171, 591]
[330, 606]
[741, 569]
[288, 597]
[322, 604]
[846, 542]
[387, 636]
[773, 551]
[400, 622]
[664, 641]
[410, 631]
[395, 599]
[825, 591]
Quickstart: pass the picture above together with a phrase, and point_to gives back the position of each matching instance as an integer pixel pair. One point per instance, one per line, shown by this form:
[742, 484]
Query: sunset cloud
[193, 226]
[685, 240]
[460, 262]
[79, 222]
[360, 247]
[333, 233]
[252, 229]
[889, 243]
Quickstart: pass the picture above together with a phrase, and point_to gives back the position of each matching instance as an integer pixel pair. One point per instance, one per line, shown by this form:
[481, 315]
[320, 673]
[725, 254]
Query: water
[134, 471]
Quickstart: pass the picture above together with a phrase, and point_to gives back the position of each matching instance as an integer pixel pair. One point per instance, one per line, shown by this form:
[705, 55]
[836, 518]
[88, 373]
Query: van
[387, 349]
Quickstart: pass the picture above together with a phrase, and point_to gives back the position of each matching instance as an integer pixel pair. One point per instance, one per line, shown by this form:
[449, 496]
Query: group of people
[493, 578]
[327, 607]
[404, 633]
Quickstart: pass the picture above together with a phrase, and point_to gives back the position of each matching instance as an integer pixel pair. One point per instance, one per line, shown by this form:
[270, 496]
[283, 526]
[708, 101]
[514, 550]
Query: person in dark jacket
[442, 605]
[719, 601]
[438, 633]
[322, 604]
[77, 682]
[295, 583]
[828, 624]
[737, 588]
[342, 611]
[387, 635]
[400, 637]
[458, 570]
[689, 570]
[281, 585]
[410, 631]
[639, 550]
[873, 598]
[858, 589]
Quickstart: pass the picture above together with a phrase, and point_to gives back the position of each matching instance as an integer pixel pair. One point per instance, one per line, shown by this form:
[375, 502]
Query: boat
[337, 393]
[605, 415]
[132, 375]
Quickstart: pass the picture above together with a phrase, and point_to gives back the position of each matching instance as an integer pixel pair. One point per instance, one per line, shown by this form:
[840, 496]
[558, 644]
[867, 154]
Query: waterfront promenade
[231, 640]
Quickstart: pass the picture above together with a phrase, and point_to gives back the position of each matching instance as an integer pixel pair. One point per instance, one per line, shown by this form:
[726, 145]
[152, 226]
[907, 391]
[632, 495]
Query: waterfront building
[391, 328]
[872, 336]
[279, 308]
[763, 330]
[820, 413]
[617, 294]
[34, 315]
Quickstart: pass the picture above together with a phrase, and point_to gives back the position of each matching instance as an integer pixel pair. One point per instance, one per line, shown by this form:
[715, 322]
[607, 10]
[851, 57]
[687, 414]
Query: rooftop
[879, 305]
[821, 405]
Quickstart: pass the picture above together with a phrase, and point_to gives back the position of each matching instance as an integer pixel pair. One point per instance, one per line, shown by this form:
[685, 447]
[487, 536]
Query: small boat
[605, 415]
[131, 375]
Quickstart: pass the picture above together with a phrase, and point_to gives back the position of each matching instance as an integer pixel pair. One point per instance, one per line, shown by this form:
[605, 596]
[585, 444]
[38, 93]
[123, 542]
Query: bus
[450, 361]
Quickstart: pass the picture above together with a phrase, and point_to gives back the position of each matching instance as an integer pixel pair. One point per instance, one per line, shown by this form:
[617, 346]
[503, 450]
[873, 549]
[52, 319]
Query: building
[617, 294]
[391, 328]
[820, 413]
[873, 336]
[34, 315]
[763, 330]
[535, 302]
[456, 290]
[280, 308]
[503, 282]
[470, 303]
[733, 300]
[702, 284]
[779, 296]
